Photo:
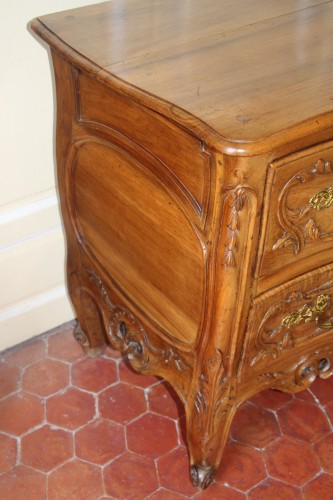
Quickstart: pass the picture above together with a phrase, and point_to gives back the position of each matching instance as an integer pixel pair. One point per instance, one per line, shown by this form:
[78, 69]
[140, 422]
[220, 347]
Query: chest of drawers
[195, 171]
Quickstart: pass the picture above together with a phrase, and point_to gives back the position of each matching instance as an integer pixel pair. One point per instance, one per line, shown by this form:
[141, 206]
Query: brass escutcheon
[323, 199]
[310, 312]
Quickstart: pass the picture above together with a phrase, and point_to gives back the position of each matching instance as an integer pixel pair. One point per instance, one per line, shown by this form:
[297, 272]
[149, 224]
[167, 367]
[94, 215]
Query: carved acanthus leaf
[211, 397]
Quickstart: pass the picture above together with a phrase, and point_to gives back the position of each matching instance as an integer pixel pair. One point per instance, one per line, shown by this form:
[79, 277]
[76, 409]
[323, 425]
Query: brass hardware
[309, 313]
[323, 199]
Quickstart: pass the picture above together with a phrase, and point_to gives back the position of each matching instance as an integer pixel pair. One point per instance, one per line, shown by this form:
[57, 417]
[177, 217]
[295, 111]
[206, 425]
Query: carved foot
[83, 340]
[201, 476]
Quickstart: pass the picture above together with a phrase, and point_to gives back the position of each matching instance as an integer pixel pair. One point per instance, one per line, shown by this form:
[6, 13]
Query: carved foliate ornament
[127, 334]
[234, 203]
[304, 372]
[278, 329]
[299, 224]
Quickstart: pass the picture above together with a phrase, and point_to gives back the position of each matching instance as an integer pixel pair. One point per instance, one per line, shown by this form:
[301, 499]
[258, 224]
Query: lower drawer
[288, 317]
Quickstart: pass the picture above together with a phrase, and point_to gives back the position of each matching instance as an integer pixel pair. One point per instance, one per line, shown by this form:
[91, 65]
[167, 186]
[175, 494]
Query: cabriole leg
[85, 343]
[89, 330]
[209, 411]
[207, 436]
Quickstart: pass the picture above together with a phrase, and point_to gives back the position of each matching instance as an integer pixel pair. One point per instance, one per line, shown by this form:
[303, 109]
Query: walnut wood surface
[194, 154]
[226, 64]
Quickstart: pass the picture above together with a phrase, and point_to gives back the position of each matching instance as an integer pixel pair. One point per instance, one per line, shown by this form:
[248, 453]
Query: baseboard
[33, 297]
[27, 318]
[28, 218]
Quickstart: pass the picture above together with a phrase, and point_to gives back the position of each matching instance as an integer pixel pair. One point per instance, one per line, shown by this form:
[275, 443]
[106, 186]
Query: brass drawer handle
[309, 313]
[323, 199]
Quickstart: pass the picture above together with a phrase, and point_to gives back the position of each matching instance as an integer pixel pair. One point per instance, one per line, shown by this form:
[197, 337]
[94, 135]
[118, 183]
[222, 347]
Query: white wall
[33, 297]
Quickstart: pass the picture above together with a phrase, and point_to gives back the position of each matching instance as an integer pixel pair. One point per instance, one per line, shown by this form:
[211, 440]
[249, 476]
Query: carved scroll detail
[80, 336]
[301, 376]
[275, 335]
[127, 334]
[299, 227]
[89, 331]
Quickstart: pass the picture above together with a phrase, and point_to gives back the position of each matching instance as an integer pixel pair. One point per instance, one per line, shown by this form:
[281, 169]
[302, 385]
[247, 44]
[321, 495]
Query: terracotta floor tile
[128, 375]
[74, 458]
[241, 467]
[71, 409]
[27, 409]
[130, 476]
[292, 461]
[329, 412]
[46, 448]
[323, 390]
[9, 379]
[271, 399]
[303, 420]
[45, 377]
[254, 426]
[324, 450]
[151, 435]
[27, 354]
[100, 441]
[275, 490]
[122, 403]
[163, 494]
[63, 346]
[305, 396]
[94, 374]
[8, 452]
[164, 401]
[112, 353]
[76, 480]
[173, 470]
[219, 492]
[181, 424]
[23, 483]
[319, 488]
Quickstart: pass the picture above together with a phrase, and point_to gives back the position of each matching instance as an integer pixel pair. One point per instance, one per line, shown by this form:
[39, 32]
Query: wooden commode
[195, 171]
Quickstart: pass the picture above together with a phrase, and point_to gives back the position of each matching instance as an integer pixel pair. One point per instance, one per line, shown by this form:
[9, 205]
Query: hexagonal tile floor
[77, 428]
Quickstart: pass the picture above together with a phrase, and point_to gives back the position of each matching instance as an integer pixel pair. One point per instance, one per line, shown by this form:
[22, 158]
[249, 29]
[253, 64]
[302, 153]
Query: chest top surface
[249, 70]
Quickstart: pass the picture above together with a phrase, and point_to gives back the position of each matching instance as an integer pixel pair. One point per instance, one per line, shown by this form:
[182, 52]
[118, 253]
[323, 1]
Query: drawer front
[289, 317]
[179, 151]
[299, 214]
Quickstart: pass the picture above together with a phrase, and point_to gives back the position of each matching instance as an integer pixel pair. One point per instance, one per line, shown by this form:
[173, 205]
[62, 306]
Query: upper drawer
[298, 222]
[181, 152]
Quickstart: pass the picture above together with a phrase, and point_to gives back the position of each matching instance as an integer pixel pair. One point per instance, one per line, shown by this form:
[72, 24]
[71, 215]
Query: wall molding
[33, 296]
[29, 218]
[33, 316]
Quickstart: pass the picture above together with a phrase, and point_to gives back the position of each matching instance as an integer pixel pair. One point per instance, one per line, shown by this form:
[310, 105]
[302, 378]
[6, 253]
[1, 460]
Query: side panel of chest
[140, 191]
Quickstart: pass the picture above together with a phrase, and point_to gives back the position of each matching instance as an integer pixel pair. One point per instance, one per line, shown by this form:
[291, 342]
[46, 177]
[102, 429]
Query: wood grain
[194, 160]
[228, 66]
